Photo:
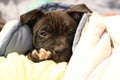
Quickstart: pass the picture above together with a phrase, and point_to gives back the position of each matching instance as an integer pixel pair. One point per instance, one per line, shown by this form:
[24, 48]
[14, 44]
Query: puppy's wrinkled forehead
[58, 18]
[56, 21]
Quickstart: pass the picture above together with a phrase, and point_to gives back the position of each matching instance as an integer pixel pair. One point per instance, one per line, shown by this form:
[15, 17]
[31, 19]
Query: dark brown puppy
[54, 31]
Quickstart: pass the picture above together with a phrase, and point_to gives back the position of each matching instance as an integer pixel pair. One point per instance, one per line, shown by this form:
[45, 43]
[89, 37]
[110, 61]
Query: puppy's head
[55, 30]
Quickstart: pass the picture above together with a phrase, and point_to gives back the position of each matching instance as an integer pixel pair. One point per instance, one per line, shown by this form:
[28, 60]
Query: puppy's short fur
[54, 31]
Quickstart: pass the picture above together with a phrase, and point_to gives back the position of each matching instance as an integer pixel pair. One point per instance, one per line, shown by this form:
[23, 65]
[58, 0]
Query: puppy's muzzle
[60, 49]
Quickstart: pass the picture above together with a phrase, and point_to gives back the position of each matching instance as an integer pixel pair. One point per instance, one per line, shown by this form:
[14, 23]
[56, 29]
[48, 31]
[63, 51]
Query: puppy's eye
[43, 34]
[71, 32]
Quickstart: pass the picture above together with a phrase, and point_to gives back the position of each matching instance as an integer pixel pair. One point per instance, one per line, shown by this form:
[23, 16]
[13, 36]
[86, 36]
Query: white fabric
[95, 58]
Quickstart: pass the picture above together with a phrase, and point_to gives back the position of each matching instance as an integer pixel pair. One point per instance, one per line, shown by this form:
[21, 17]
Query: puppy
[54, 31]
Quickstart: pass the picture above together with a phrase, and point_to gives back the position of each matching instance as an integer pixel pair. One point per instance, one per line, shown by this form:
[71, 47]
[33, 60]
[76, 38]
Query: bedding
[15, 37]
[96, 52]
[95, 56]
[19, 67]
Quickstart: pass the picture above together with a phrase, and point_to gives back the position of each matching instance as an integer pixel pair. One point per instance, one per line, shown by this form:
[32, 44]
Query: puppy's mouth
[59, 56]
[53, 54]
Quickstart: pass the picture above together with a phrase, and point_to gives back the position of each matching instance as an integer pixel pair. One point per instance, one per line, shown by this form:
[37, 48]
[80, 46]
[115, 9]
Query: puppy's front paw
[34, 56]
[37, 56]
[44, 54]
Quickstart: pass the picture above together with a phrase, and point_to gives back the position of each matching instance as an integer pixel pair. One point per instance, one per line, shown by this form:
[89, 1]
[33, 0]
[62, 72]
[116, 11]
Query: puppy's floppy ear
[31, 17]
[77, 11]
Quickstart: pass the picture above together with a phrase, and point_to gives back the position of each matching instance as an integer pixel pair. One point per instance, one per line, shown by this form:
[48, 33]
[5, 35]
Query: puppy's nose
[60, 49]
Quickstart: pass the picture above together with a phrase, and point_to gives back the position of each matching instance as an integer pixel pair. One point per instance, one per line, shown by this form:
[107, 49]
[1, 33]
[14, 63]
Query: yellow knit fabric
[19, 67]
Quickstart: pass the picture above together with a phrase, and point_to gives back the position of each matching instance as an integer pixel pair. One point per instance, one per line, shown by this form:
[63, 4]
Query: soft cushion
[19, 67]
